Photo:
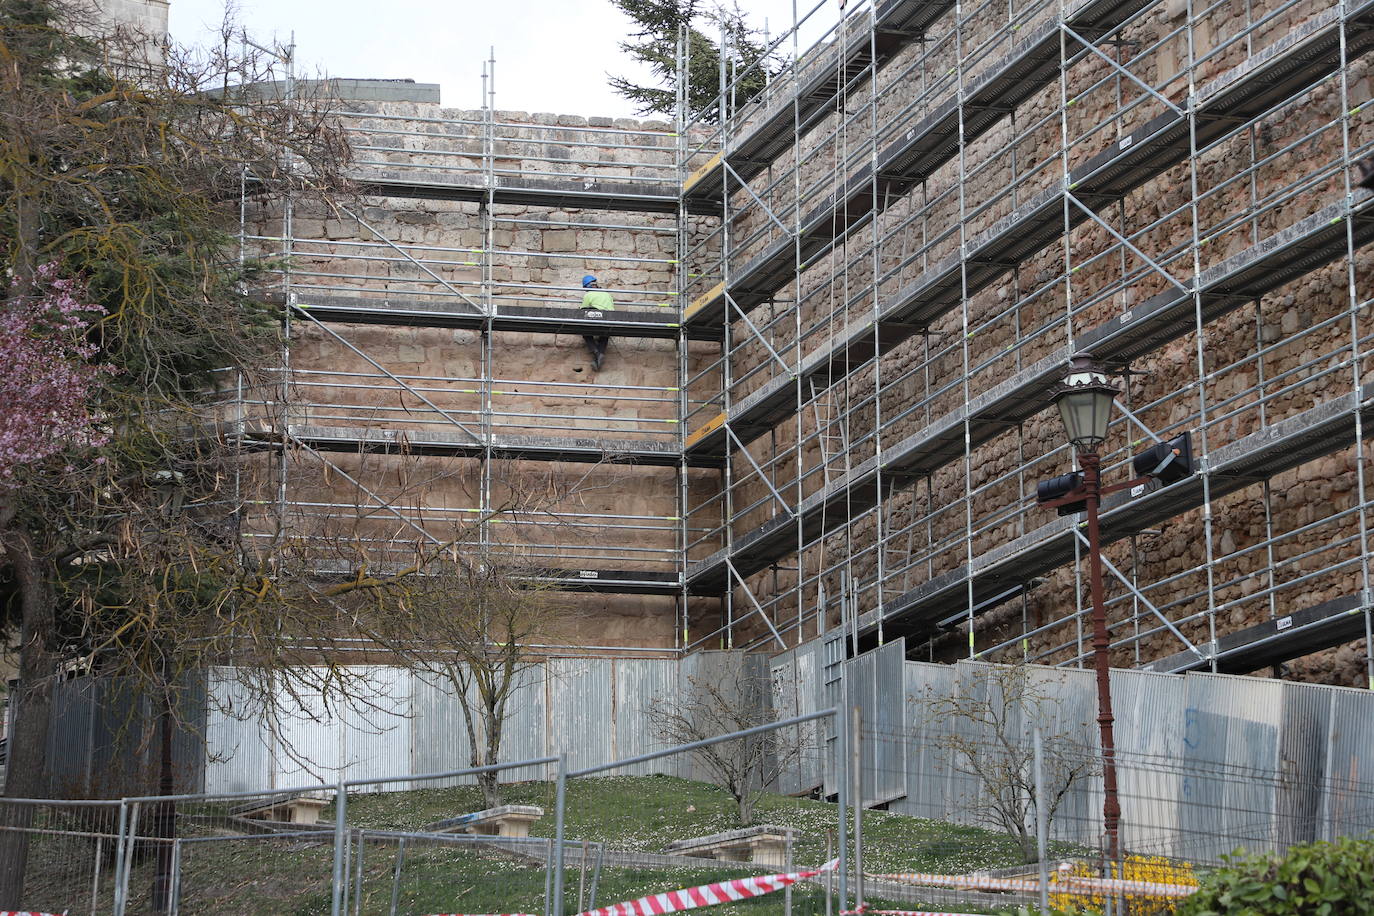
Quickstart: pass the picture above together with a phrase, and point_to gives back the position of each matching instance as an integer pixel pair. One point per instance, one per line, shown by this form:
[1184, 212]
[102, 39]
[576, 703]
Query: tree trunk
[491, 781]
[26, 773]
[1030, 852]
[744, 804]
[165, 814]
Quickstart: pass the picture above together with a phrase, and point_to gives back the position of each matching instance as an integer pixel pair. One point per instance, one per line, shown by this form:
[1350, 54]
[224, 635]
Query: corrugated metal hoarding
[1313, 745]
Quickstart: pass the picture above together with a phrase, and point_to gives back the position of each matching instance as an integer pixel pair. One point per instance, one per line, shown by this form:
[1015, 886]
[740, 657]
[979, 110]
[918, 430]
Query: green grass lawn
[645, 813]
[293, 876]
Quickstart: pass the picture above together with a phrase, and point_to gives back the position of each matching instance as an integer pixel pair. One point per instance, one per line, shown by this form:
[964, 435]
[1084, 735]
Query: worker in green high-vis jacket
[596, 300]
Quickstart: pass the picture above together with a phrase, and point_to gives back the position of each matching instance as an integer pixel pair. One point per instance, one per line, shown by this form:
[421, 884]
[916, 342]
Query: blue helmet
[588, 280]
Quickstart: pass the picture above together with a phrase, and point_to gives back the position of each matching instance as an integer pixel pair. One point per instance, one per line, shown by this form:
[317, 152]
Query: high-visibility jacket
[598, 299]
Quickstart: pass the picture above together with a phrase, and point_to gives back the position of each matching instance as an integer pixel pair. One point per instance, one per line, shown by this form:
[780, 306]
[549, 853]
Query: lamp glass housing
[1085, 405]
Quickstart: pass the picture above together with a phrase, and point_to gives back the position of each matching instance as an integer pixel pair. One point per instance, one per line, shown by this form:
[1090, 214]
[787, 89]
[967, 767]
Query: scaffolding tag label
[1283, 623]
[1138, 490]
[1126, 141]
[587, 573]
[1126, 316]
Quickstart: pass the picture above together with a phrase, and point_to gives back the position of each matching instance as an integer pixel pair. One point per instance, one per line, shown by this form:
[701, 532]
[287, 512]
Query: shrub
[1148, 869]
[1316, 879]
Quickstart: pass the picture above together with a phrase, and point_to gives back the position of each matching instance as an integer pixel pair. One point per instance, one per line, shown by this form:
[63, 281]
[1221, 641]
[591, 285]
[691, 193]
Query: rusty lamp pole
[1085, 399]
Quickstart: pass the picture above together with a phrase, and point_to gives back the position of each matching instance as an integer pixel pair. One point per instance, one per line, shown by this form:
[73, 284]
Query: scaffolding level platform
[1259, 456]
[897, 23]
[451, 312]
[1278, 72]
[610, 581]
[460, 444]
[1293, 63]
[1272, 642]
[575, 193]
[1290, 253]
[604, 581]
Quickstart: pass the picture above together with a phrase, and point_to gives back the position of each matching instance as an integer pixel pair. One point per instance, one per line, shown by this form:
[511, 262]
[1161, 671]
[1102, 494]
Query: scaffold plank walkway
[1288, 66]
[1303, 247]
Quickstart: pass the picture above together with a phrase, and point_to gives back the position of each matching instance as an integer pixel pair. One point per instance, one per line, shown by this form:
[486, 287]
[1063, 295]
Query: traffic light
[1055, 487]
[1167, 462]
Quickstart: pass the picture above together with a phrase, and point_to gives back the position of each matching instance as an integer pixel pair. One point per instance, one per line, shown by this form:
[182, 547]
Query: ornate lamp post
[1085, 400]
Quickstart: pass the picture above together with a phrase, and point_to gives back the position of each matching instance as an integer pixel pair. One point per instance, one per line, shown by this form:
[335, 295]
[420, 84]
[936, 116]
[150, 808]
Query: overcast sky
[551, 55]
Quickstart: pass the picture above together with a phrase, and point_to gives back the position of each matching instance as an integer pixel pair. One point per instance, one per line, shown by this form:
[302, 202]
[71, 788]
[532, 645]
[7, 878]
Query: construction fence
[598, 710]
[622, 837]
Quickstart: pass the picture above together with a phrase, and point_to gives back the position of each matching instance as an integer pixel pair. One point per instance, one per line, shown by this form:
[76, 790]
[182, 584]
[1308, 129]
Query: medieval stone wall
[1262, 362]
[406, 386]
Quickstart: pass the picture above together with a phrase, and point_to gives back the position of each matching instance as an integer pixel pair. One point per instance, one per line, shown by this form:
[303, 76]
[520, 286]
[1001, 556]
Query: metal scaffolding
[375, 463]
[871, 273]
[924, 216]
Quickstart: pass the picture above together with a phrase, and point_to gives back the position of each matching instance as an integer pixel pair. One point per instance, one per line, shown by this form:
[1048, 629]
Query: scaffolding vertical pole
[1068, 299]
[799, 418]
[1204, 461]
[727, 342]
[964, 324]
[486, 335]
[839, 417]
[288, 57]
[875, 266]
[683, 347]
[1355, 355]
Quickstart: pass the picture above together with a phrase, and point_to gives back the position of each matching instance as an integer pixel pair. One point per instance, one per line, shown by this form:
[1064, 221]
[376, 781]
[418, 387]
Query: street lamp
[1085, 399]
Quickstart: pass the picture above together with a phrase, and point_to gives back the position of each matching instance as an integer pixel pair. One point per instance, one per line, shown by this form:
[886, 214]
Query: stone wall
[1262, 362]
[406, 385]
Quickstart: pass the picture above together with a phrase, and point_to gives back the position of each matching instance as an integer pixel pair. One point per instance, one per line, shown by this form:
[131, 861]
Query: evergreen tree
[654, 42]
[120, 168]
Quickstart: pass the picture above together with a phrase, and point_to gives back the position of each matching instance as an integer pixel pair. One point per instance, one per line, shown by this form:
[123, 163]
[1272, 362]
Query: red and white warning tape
[1120, 886]
[1061, 883]
[690, 898]
[974, 882]
[867, 912]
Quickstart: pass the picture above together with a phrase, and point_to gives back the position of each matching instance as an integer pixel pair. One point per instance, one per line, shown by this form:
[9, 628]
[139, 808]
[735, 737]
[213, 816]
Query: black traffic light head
[1168, 462]
[1055, 487]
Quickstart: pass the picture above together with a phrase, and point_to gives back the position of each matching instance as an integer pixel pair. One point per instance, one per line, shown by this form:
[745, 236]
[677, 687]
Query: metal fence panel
[102, 739]
[723, 669]
[929, 773]
[1066, 714]
[1149, 710]
[307, 743]
[1350, 762]
[237, 752]
[376, 736]
[1229, 721]
[527, 730]
[438, 734]
[1303, 747]
[797, 689]
[580, 718]
[639, 683]
[876, 681]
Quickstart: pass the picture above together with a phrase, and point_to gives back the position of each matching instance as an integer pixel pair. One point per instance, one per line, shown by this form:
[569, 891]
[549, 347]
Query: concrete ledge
[288, 809]
[763, 845]
[511, 821]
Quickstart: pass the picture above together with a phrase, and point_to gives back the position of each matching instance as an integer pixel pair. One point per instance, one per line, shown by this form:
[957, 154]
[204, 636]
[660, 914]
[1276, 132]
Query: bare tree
[990, 743]
[484, 613]
[743, 767]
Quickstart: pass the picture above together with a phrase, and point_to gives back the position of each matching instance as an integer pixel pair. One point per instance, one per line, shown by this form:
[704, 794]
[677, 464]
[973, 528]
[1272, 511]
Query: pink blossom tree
[47, 372]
